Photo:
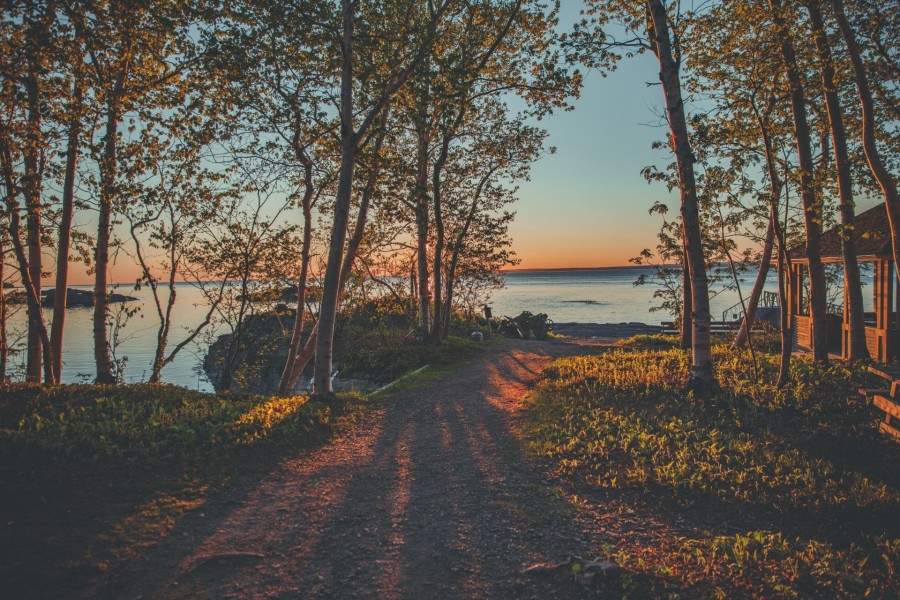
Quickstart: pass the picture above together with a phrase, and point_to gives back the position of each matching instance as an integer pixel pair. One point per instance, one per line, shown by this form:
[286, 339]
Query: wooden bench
[715, 327]
[887, 400]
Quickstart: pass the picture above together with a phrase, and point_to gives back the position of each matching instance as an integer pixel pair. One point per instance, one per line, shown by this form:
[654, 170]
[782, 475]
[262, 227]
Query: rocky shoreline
[604, 332]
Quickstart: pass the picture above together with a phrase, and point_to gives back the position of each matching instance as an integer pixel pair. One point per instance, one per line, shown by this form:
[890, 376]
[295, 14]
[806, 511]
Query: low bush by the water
[803, 468]
[383, 355]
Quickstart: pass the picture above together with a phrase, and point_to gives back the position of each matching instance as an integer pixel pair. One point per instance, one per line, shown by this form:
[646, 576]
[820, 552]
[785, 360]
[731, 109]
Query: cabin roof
[872, 235]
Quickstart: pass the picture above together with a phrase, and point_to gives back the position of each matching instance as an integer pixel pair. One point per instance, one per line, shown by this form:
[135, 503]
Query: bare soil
[431, 496]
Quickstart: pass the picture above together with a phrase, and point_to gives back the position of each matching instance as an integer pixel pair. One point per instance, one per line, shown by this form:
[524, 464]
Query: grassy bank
[92, 476]
[757, 491]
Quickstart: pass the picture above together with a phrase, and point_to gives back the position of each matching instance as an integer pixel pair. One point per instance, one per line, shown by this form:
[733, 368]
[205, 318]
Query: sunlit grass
[807, 456]
[632, 406]
[147, 422]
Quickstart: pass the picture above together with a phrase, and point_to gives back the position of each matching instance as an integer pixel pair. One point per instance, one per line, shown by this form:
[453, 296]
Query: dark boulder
[526, 326]
[74, 298]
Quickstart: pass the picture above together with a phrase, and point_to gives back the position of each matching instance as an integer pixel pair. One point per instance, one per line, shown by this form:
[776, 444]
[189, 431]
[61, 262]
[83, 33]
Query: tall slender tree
[783, 22]
[869, 127]
[26, 96]
[396, 72]
[138, 54]
[702, 374]
[858, 349]
[74, 129]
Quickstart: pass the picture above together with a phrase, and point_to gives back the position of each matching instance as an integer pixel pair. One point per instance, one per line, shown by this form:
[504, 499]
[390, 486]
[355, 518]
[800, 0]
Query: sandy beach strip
[604, 332]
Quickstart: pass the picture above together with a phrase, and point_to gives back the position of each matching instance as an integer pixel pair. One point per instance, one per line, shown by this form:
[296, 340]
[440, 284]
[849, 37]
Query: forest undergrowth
[91, 476]
[758, 490]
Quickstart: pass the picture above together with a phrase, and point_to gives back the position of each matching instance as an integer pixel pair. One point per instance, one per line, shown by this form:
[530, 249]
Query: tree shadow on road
[431, 497]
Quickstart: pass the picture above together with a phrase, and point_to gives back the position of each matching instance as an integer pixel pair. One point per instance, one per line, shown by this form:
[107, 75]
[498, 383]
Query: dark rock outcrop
[75, 298]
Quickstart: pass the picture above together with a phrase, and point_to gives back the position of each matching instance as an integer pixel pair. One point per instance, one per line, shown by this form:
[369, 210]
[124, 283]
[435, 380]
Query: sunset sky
[587, 205]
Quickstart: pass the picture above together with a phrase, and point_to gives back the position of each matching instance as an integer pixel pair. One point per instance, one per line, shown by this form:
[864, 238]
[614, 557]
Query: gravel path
[430, 496]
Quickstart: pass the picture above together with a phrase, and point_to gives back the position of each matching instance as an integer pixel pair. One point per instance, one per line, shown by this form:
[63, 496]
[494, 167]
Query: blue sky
[587, 205]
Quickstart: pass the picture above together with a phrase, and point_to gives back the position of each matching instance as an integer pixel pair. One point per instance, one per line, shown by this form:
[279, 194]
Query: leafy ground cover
[91, 476]
[757, 491]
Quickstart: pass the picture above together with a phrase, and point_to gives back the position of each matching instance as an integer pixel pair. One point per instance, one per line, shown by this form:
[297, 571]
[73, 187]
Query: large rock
[74, 297]
[261, 355]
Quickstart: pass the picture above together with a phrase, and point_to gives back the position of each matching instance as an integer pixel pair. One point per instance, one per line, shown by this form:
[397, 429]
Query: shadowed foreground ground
[429, 497]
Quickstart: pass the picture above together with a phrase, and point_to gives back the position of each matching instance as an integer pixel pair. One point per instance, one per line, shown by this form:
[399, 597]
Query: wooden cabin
[873, 245]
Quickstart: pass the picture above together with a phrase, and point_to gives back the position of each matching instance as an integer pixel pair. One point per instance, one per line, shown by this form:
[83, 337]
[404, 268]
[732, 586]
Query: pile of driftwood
[526, 326]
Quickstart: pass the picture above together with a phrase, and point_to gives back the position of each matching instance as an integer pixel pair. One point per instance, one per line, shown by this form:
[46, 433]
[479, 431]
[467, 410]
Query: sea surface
[581, 295]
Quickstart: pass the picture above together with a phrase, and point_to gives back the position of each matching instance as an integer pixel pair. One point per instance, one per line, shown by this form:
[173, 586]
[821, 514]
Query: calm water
[597, 296]
[136, 339]
[582, 296]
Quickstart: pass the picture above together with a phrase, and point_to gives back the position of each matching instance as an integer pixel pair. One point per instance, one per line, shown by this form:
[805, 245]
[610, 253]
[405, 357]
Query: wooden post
[878, 290]
[897, 309]
[487, 316]
[884, 295]
[887, 335]
[845, 327]
[793, 290]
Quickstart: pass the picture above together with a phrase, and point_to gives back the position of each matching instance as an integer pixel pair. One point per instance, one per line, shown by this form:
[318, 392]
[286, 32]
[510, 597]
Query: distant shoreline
[48, 283]
[504, 271]
[570, 269]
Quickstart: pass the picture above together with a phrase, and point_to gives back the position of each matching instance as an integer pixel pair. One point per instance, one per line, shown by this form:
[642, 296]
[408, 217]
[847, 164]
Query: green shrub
[84, 423]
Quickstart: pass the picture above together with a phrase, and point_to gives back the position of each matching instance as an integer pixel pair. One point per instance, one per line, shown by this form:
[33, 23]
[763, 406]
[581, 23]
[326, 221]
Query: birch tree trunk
[331, 283]
[65, 229]
[165, 318]
[776, 186]
[422, 226]
[162, 336]
[288, 381]
[108, 173]
[458, 244]
[15, 234]
[812, 205]
[787, 328]
[703, 379]
[356, 238]
[438, 320]
[32, 187]
[687, 305]
[756, 293]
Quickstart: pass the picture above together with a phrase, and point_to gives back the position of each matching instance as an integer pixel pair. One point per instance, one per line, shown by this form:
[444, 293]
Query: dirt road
[431, 496]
